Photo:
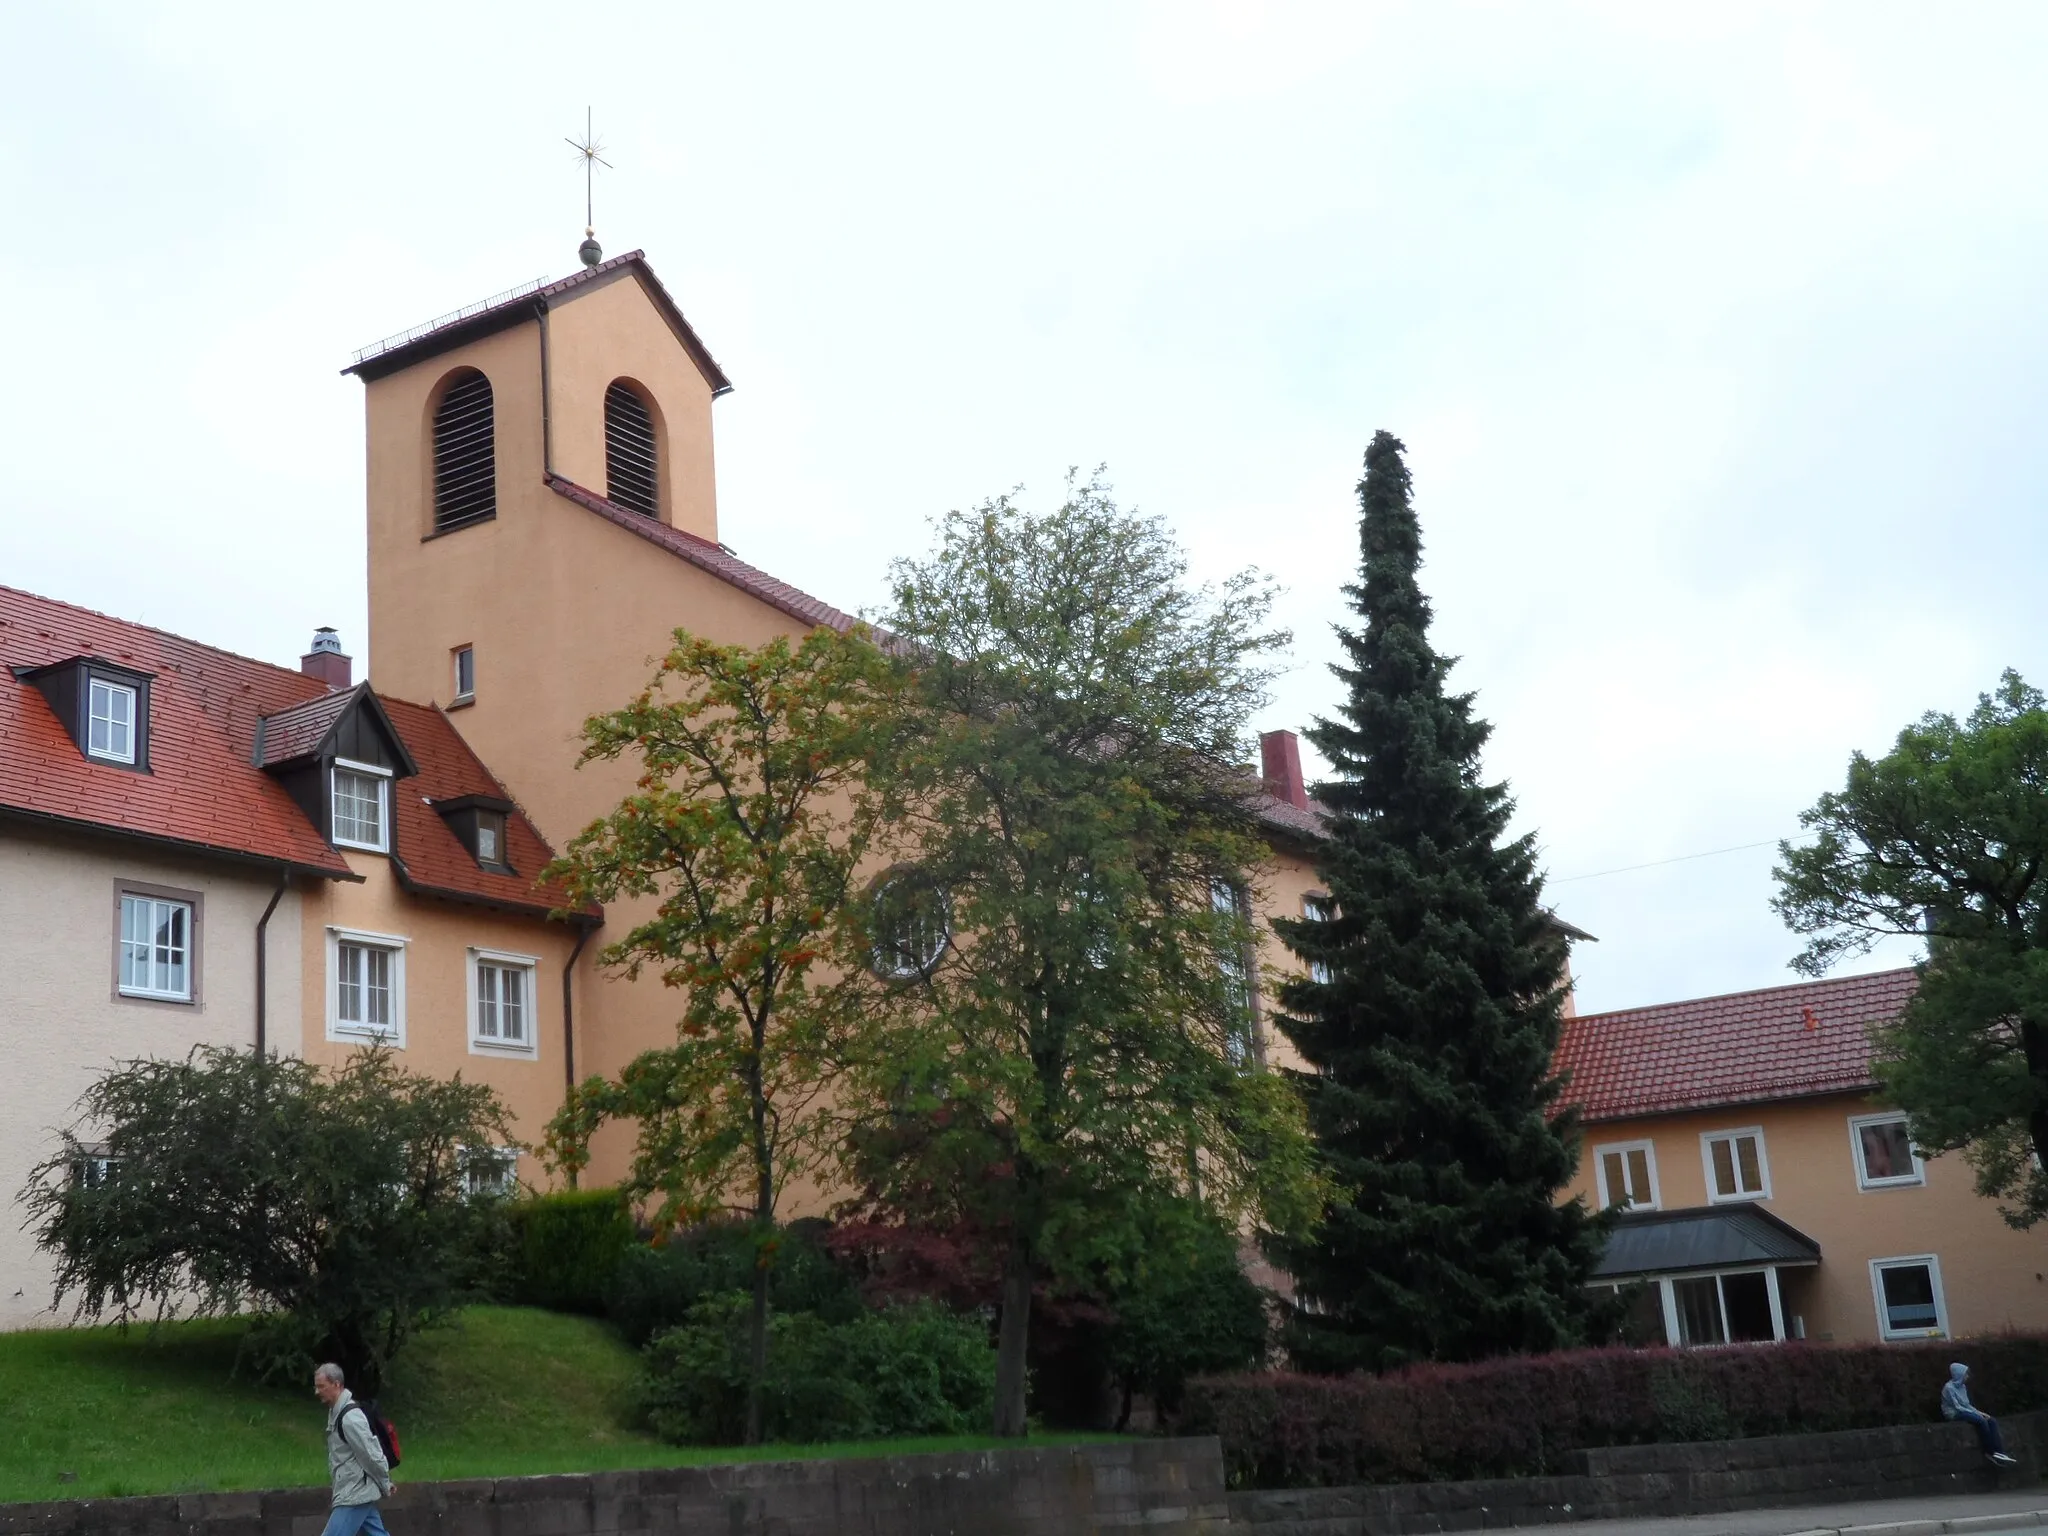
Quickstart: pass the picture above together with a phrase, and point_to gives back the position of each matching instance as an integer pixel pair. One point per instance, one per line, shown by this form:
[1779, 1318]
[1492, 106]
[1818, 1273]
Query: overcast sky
[1715, 333]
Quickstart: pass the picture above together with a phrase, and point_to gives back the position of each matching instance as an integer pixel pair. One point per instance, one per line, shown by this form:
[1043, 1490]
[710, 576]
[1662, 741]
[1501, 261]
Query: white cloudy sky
[1715, 332]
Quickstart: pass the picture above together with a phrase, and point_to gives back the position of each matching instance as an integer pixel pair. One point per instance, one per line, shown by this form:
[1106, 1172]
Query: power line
[1711, 853]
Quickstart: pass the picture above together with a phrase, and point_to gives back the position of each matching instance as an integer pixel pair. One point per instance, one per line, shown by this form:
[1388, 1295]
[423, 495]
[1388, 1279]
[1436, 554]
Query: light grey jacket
[355, 1460]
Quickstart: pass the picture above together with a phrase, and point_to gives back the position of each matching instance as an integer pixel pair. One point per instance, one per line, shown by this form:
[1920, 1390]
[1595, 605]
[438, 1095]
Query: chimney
[326, 661]
[1280, 767]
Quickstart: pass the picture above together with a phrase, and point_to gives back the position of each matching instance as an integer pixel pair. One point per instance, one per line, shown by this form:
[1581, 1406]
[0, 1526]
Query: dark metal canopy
[1700, 1238]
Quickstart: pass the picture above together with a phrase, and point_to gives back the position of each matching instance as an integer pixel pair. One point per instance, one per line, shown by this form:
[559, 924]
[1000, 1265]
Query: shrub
[654, 1288]
[566, 1248]
[907, 1370]
[1189, 1307]
[1522, 1416]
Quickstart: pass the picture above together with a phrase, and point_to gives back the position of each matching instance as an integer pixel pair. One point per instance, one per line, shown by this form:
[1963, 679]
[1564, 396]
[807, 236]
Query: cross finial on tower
[591, 153]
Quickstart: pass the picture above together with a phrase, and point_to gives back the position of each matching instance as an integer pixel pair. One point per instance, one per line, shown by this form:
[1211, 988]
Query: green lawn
[502, 1392]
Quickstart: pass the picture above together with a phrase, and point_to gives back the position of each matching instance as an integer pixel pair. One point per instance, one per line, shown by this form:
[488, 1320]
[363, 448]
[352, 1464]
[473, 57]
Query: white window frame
[1649, 1151]
[1898, 1181]
[356, 1033]
[1763, 1164]
[481, 1044]
[498, 823]
[93, 684]
[155, 994]
[383, 778]
[1319, 971]
[1668, 1296]
[1885, 1330]
[507, 1161]
[462, 693]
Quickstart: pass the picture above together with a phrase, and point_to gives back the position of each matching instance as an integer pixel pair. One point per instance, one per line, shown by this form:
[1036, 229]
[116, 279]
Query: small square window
[110, 728]
[1909, 1299]
[366, 992]
[1736, 1169]
[465, 672]
[501, 1003]
[91, 1168]
[1885, 1155]
[156, 949]
[490, 837]
[489, 1172]
[1628, 1174]
[360, 819]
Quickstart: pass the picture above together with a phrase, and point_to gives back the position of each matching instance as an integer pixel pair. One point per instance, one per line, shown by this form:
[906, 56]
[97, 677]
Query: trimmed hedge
[566, 1248]
[1522, 1416]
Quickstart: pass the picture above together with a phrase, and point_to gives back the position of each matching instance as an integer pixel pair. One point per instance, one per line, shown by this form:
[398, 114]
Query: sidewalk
[2019, 1509]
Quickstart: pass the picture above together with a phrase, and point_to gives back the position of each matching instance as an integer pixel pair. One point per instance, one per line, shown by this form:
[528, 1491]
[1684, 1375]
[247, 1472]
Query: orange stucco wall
[439, 936]
[1991, 1276]
[565, 613]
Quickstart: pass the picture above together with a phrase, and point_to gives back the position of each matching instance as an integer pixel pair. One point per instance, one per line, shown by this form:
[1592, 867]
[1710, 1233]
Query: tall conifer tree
[1437, 982]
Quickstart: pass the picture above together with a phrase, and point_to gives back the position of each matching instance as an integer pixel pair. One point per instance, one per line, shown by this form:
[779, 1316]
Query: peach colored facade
[566, 614]
[441, 941]
[1815, 1177]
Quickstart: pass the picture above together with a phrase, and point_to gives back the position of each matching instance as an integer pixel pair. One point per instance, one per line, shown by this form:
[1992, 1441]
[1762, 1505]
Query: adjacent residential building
[1769, 1190]
[201, 849]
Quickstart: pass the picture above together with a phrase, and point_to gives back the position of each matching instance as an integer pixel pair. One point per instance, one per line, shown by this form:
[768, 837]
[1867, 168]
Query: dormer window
[362, 806]
[110, 720]
[490, 837]
[631, 466]
[102, 705]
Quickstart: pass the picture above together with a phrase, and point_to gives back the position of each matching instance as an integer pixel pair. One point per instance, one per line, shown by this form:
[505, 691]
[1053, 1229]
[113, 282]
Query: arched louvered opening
[631, 468]
[465, 454]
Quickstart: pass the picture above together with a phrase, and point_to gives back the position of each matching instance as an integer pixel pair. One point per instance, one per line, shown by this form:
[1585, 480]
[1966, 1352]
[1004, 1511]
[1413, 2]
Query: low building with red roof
[197, 848]
[1769, 1190]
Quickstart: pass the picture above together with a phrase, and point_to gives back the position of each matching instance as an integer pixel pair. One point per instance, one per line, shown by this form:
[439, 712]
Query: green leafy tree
[336, 1205]
[747, 825]
[1430, 1013]
[1945, 838]
[1184, 1306]
[1065, 986]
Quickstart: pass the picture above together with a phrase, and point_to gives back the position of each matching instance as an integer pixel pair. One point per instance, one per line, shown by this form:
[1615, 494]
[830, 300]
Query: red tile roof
[299, 730]
[430, 858]
[518, 306]
[1746, 1048]
[202, 790]
[707, 556]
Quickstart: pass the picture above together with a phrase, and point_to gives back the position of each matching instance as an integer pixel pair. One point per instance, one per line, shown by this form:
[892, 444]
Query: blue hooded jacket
[1955, 1397]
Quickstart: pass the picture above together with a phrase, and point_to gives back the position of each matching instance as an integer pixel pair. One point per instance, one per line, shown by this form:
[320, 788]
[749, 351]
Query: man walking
[354, 1460]
[1956, 1404]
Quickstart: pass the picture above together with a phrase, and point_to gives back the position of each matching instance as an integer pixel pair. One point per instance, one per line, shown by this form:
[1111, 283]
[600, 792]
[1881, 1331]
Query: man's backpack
[385, 1431]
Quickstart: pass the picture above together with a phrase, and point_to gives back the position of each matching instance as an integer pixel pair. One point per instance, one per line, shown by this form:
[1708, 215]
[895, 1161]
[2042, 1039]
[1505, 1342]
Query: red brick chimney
[1280, 767]
[326, 662]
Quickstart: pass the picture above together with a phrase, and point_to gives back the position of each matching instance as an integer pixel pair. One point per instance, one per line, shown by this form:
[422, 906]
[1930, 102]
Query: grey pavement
[2019, 1510]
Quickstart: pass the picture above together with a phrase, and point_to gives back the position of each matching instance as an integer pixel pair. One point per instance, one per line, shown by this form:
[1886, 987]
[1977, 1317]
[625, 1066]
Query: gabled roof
[203, 791]
[1701, 1237]
[430, 858]
[709, 557]
[307, 729]
[522, 304]
[1745, 1048]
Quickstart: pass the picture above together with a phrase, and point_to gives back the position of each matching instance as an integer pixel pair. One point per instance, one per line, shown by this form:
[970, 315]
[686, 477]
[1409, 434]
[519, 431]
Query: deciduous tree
[1945, 838]
[746, 828]
[1066, 989]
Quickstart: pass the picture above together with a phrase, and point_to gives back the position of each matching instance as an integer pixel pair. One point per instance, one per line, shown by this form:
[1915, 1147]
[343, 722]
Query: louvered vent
[465, 463]
[629, 462]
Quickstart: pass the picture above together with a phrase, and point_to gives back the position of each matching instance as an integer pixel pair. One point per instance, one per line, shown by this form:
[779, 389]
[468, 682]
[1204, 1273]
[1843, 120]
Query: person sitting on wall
[1956, 1404]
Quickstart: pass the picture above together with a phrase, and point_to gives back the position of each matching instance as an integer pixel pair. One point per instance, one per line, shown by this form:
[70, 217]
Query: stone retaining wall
[1647, 1480]
[1167, 1487]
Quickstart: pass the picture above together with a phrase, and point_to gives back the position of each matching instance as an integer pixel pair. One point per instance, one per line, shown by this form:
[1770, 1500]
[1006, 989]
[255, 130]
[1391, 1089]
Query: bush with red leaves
[1523, 1415]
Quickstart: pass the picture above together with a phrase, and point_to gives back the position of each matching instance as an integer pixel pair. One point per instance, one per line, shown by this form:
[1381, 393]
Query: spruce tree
[1430, 1015]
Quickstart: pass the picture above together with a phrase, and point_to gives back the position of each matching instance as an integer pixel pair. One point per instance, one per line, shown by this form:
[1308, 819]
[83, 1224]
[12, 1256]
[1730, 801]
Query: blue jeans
[1989, 1440]
[354, 1520]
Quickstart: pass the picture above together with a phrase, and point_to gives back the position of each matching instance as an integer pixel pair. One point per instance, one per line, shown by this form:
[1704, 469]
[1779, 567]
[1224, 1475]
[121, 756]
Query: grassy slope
[504, 1391]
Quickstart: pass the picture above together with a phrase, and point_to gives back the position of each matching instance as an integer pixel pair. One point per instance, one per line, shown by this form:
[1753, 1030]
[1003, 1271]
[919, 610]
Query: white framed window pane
[513, 987]
[350, 982]
[358, 807]
[1908, 1298]
[487, 1001]
[110, 729]
[465, 672]
[1699, 1311]
[1638, 1177]
[1611, 1171]
[1887, 1151]
[377, 987]
[487, 839]
[1748, 1166]
[1724, 1167]
[156, 947]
